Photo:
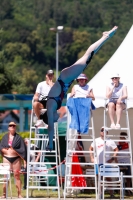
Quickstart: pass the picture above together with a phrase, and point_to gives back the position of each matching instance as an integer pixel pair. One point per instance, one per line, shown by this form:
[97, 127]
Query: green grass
[54, 194]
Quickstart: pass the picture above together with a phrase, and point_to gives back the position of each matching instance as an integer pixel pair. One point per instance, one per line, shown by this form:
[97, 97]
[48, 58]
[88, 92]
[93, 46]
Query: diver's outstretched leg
[70, 73]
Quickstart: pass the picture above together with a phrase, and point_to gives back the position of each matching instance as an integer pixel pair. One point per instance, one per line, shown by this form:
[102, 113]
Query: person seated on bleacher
[123, 146]
[116, 93]
[82, 89]
[40, 97]
[99, 145]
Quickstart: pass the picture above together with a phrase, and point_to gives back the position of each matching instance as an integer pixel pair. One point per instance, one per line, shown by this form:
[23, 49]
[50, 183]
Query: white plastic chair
[5, 177]
[107, 171]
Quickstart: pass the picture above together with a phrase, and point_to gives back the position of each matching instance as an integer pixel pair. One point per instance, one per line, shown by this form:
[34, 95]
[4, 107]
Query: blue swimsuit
[64, 89]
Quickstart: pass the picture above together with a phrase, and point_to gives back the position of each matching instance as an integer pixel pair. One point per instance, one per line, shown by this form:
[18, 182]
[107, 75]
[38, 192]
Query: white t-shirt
[43, 89]
[81, 91]
[99, 144]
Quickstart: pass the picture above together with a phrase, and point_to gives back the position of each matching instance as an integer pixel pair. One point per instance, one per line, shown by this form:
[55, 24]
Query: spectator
[34, 157]
[13, 149]
[116, 93]
[99, 145]
[40, 97]
[82, 89]
[125, 158]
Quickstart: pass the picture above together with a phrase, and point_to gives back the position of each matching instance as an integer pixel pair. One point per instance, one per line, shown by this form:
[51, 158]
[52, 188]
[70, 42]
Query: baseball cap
[104, 128]
[12, 123]
[82, 76]
[115, 75]
[50, 71]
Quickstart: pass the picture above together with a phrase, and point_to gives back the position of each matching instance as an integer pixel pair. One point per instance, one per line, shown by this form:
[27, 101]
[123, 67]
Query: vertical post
[57, 54]
[26, 119]
[21, 118]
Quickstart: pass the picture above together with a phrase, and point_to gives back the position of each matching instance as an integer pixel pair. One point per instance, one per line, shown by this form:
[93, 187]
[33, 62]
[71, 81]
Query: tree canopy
[28, 47]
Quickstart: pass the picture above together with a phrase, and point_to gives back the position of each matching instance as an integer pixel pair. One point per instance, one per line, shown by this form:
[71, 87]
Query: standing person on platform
[67, 76]
[99, 145]
[13, 149]
[116, 93]
[41, 94]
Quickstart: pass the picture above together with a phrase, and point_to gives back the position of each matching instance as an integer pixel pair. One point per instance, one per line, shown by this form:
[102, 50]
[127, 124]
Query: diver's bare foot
[111, 32]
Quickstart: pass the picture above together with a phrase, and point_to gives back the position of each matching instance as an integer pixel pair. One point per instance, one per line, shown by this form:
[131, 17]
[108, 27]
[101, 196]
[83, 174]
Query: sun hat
[82, 76]
[12, 123]
[50, 71]
[115, 75]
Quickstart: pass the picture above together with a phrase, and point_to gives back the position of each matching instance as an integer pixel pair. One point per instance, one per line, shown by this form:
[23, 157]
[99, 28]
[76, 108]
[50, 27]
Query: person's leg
[4, 185]
[52, 114]
[119, 108]
[16, 169]
[37, 106]
[128, 180]
[70, 73]
[111, 111]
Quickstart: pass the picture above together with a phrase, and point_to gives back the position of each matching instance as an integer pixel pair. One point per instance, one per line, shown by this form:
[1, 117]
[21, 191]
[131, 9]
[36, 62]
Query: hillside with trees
[27, 46]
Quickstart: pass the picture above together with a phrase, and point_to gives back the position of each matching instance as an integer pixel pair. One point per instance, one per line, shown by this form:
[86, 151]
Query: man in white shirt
[99, 145]
[40, 97]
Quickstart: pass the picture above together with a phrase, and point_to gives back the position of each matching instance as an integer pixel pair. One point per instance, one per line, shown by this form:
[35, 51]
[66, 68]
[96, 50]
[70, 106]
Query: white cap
[105, 128]
[115, 75]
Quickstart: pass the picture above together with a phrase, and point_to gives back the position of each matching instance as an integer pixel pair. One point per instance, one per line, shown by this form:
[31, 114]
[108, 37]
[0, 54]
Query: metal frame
[127, 129]
[71, 139]
[35, 173]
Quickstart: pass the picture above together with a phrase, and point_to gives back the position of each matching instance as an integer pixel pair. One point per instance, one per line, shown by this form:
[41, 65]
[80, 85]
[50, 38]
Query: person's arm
[36, 97]
[91, 154]
[109, 91]
[91, 95]
[124, 96]
[25, 164]
[38, 155]
[114, 158]
[72, 92]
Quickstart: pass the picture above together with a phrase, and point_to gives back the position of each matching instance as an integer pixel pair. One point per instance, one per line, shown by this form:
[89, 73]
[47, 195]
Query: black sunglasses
[12, 125]
[114, 78]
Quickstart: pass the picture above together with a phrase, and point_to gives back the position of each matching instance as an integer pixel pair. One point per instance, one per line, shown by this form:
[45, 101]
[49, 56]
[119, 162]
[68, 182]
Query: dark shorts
[128, 171]
[113, 101]
[43, 102]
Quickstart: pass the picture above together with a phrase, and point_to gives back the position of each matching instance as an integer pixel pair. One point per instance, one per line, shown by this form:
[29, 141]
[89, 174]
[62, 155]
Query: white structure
[122, 63]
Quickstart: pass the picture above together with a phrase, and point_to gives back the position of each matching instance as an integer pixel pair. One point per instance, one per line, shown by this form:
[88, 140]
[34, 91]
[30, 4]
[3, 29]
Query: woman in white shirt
[116, 93]
[82, 89]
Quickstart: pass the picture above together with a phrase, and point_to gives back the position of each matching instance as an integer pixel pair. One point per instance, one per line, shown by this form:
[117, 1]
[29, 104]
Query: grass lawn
[43, 193]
